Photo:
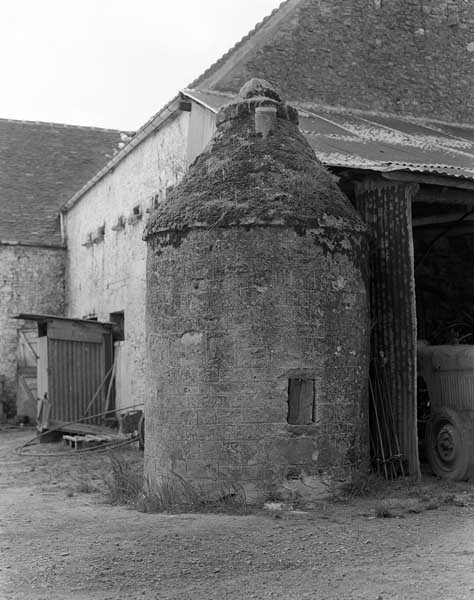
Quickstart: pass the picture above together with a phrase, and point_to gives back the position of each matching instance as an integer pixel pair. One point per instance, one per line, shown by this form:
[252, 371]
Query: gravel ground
[59, 539]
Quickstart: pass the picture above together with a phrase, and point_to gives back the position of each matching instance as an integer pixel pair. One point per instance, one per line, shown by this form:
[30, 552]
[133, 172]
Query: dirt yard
[59, 539]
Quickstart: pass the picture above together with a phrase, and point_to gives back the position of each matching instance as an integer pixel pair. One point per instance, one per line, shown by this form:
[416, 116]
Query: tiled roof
[41, 166]
[394, 56]
[376, 141]
[241, 43]
[151, 126]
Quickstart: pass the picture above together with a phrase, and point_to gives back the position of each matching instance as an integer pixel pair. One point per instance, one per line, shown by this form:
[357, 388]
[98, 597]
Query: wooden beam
[403, 176]
[444, 195]
[441, 219]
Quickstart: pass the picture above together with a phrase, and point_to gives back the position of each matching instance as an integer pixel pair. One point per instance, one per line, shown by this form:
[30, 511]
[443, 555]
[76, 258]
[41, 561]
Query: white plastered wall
[109, 275]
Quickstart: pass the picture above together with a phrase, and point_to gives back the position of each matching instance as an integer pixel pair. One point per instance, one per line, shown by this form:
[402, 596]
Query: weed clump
[123, 481]
[172, 493]
[360, 486]
[382, 511]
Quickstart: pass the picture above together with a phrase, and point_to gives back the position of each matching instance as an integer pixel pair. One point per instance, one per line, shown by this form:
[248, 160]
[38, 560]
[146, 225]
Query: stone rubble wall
[404, 56]
[232, 314]
[31, 281]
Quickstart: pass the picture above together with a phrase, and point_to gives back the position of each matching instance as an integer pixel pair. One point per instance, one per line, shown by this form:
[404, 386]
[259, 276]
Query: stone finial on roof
[257, 88]
[261, 91]
[258, 170]
[252, 98]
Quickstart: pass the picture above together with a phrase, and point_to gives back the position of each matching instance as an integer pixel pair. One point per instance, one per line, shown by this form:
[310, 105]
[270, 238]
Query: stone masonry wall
[31, 280]
[106, 270]
[407, 56]
[231, 316]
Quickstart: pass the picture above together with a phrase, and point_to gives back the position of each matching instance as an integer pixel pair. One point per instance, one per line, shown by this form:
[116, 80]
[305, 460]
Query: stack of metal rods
[387, 458]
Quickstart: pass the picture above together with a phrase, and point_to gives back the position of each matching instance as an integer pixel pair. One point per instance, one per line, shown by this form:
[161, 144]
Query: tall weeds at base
[359, 486]
[127, 485]
[123, 482]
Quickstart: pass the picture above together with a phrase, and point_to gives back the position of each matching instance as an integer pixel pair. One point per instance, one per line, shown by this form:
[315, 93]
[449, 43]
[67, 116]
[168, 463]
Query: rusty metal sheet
[311, 123]
[75, 371]
[75, 358]
[382, 155]
[387, 210]
[374, 141]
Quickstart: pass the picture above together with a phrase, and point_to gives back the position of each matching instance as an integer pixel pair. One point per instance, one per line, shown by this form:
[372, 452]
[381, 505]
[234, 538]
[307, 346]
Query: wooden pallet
[79, 428]
[77, 442]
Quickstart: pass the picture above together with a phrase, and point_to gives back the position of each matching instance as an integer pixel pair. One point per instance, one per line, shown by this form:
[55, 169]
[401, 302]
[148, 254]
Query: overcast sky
[111, 63]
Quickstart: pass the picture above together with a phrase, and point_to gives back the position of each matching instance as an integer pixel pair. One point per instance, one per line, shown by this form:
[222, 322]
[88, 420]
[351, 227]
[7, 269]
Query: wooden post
[386, 208]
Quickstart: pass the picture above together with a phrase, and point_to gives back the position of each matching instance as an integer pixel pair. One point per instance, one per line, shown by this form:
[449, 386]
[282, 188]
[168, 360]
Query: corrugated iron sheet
[387, 211]
[74, 366]
[76, 370]
[455, 390]
[377, 142]
[449, 375]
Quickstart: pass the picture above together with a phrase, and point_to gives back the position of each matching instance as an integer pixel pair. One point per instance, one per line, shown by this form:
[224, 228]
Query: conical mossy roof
[243, 178]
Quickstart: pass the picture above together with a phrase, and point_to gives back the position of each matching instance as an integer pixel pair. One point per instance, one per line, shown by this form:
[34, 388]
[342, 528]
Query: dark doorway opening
[301, 401]
[118, 329]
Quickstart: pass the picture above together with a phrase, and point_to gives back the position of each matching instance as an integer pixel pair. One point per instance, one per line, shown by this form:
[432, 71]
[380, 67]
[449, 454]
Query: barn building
[41, 165]
[384, 91]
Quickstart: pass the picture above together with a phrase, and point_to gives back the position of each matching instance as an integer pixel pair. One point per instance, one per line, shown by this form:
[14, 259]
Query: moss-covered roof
[244, 178]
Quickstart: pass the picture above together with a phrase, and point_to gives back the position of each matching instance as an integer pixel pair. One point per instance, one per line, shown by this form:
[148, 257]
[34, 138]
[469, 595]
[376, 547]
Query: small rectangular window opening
[156, 200]
[118, 329]
[301, 401]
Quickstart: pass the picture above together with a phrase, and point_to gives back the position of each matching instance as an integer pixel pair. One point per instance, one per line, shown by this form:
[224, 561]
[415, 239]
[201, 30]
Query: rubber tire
[449, 444]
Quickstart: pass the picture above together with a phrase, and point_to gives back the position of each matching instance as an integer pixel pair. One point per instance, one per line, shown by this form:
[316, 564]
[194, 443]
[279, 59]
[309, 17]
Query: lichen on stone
[243, 179]
[258, 87]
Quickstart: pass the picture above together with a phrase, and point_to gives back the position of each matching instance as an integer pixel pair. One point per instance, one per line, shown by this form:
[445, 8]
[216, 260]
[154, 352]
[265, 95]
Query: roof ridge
[210, 91]
[237, 45]
[138, 136]
[64, 125]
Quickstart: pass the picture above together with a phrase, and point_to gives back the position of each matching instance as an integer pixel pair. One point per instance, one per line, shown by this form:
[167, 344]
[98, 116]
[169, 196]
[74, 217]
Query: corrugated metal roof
[50, 318]
[377, 142]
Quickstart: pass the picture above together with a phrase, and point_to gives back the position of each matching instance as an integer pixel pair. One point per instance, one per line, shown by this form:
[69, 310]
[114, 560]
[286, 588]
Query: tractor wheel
[449, 444]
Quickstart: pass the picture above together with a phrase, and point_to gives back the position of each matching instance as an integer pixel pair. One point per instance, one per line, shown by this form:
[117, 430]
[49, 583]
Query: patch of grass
[360, 486]
[86, 487]
[416, 510]
[272, 496]
[382, 511]
[123, 482]
[172, 493]
[166, 496]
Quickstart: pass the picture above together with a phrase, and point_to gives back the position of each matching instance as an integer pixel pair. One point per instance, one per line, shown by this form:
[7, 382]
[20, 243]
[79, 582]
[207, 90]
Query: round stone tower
[257, 312]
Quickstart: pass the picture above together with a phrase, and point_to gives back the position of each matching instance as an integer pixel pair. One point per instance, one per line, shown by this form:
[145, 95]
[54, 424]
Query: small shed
[74, 368]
